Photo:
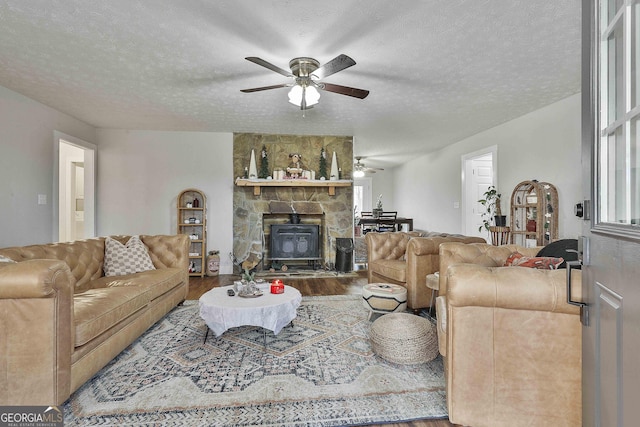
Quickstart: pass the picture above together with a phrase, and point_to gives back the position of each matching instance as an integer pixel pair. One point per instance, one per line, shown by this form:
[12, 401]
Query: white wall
[382, 182]
[141, 173]
[26, 166]
[542, 145]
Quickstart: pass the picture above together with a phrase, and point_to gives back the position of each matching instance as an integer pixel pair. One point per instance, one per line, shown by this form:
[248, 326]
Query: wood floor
[308, 287]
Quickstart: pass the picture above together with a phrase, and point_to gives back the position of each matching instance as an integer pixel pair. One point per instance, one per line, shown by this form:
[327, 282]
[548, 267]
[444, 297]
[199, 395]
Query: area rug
[319, 371]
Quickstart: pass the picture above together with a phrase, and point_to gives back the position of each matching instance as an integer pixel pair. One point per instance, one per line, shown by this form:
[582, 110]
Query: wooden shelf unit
[543, 210]
[257, 184]
[198, 246]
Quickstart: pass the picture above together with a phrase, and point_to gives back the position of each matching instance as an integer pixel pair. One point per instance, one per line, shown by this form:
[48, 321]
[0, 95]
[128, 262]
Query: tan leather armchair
[510, 341]
[406, 259]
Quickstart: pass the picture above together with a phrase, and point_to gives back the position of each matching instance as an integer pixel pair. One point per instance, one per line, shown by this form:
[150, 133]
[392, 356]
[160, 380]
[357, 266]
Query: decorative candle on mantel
[334, 168]
[253, 171]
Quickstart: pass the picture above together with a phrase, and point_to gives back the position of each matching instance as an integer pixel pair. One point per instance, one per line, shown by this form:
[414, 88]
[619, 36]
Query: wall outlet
[42, 199]
[456, 205]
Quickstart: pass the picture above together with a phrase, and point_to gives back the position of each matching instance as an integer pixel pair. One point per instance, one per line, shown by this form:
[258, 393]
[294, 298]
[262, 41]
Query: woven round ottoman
[404, 338]
[384, 298]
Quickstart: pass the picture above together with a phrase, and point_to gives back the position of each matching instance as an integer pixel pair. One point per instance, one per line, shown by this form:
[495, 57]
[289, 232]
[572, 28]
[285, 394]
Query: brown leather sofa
[405, 258]
[61, 321]
[510, 341]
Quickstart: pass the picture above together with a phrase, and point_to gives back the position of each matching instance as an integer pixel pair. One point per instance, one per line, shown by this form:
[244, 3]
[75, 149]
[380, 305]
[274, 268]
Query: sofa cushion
[392, 268]
[516, 259]
[157, 282]
[97, 310]
[119, 259]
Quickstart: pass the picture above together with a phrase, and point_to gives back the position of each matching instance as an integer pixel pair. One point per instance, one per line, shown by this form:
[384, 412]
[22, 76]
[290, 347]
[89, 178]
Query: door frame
[90, 163]
[466, 160]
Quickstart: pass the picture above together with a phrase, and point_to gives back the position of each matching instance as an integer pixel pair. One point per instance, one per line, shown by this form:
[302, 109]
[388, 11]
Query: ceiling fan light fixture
[358, 173]
[311, 95]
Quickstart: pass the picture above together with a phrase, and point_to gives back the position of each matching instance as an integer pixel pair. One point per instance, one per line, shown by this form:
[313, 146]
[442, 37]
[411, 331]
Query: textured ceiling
[438, 70]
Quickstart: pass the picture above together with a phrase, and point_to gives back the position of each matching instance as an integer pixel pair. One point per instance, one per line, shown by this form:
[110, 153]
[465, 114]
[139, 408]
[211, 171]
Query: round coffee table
[269, 311]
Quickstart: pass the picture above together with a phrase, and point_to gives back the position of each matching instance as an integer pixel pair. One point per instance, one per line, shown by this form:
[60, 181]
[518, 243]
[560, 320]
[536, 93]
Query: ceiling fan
[359, 168]
[306, 73]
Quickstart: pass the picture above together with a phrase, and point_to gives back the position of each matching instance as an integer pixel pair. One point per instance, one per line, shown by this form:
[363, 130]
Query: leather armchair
[406, 259]
[511, 343]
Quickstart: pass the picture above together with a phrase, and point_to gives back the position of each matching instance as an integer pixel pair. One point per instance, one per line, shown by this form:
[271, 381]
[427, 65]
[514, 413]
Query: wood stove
[295, 242]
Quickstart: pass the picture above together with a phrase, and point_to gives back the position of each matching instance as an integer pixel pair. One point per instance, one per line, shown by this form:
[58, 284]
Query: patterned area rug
[319, 371]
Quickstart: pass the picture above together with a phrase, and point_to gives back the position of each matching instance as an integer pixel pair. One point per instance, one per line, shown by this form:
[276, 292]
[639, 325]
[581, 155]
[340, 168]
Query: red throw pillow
[516, 259]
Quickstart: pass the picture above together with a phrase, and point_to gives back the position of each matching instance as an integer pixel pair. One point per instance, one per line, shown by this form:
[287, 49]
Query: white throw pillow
[5, 259]
[122, 259]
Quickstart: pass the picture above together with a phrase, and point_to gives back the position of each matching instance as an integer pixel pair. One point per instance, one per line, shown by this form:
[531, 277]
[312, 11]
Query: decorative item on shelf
[334, 168]
[264, 163]
[213, 263]
[191, 220]
[377, 211]
[278, 173]
[245, 175]
[253, 172]
[196, 203]
[532, 198]
[296, 167]
[189, 205]
[322, 167]
[493, 206]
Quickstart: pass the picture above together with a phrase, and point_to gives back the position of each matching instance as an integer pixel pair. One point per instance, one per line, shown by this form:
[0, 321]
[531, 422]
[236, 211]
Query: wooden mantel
[257, 184]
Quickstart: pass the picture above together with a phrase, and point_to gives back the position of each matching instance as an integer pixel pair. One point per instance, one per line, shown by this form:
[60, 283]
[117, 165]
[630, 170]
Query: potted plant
[378, 209]
[492, 203]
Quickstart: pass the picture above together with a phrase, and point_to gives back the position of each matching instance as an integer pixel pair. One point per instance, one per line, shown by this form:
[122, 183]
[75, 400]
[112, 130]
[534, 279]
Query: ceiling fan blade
[338, 63]
[269, 65]
[258, 89]
[344, 90]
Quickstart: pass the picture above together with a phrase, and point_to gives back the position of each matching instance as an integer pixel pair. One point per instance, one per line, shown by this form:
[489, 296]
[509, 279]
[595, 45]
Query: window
[618, 130]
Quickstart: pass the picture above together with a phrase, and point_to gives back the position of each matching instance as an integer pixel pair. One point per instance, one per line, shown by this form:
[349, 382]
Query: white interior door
[478, 175]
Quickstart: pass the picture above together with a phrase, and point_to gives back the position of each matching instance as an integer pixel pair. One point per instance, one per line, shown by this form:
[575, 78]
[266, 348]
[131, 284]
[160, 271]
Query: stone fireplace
[254, 212]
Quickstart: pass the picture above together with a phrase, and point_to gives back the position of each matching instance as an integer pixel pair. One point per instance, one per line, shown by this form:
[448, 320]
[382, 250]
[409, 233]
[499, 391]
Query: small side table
[433, 283]
[384, 298]
[499, 235]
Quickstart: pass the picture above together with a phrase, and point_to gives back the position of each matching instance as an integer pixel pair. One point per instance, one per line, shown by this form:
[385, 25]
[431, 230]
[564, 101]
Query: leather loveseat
[511, 343]
[61, 320]
[406, 258]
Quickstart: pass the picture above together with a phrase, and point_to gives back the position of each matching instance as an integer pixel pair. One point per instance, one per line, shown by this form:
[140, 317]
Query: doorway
[74, 189]
[478, 173]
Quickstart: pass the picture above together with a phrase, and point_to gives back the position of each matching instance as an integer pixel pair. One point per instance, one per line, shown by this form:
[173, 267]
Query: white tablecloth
[270, 311]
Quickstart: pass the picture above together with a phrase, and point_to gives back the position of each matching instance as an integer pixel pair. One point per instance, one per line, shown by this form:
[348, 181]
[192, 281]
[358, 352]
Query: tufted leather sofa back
[85, 258]
[476, 253]
[387, 245]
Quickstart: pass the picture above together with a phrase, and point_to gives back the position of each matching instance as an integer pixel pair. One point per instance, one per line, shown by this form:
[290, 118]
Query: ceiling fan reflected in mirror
[359, 168]
[306, 74]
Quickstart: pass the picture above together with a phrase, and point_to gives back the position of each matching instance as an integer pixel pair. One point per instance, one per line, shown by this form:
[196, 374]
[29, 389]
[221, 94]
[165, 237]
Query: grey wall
[141, 173]
[26, 166]
[542, 145]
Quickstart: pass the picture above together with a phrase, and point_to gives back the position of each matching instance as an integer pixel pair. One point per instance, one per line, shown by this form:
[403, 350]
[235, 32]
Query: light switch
[456, 205]
[42, 199]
